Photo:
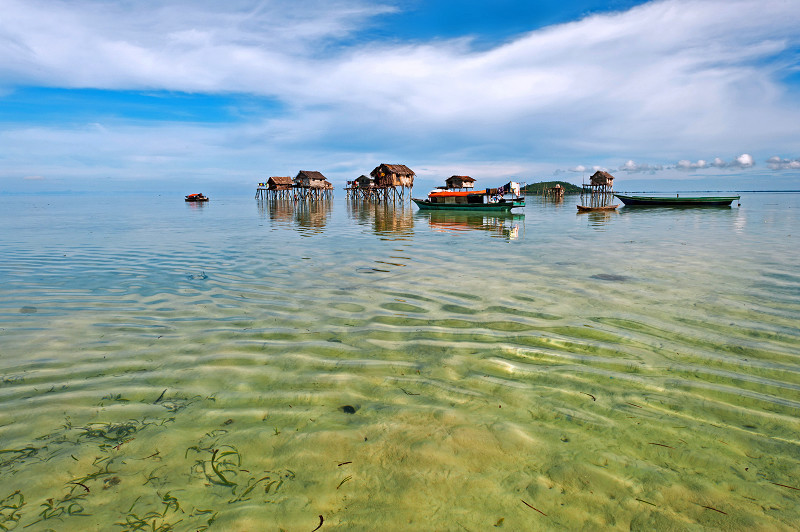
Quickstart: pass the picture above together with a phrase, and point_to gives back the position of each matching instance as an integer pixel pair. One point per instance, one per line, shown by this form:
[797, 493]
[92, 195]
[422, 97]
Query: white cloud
[778, 163]
[633, 167]
[743, 161]
[658, 80]
[685, 164]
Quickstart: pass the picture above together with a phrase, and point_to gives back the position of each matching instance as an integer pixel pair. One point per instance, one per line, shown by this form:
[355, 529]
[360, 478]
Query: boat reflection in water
[509, 226]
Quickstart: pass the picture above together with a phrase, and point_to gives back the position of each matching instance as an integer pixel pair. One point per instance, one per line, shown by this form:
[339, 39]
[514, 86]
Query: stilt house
[460, 181]
[602, 179]
[362, 181]
[393, 175]
[279, 183]
[311, 179]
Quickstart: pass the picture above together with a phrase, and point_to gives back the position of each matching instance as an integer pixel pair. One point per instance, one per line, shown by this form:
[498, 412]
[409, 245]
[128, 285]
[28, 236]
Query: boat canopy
[451, 194]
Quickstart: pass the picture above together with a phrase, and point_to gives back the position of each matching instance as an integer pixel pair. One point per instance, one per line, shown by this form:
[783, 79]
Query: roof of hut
[281, 180]
[463, 178]
[601, 177]
[311, 174]
[399, 169]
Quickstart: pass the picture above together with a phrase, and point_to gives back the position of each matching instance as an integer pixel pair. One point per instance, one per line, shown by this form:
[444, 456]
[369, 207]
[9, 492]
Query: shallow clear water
[246, 365]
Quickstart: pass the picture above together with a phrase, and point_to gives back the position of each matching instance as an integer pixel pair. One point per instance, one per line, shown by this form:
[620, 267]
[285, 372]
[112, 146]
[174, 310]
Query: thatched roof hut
[311, 179]
[393, 175]
[279, 183]
[601, 179]
[460, 181]
[362, 181]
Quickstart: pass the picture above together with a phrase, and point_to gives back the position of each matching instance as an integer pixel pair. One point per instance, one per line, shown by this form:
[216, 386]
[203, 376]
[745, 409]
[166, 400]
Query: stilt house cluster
[387, 182]
[305, 185]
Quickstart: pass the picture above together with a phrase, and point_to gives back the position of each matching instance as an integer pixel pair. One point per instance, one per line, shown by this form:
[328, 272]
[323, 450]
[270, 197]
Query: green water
[254, 366]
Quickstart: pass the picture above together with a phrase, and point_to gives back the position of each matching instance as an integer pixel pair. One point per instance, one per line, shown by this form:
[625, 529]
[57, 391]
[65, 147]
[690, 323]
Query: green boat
[677, 201]
[478, 200]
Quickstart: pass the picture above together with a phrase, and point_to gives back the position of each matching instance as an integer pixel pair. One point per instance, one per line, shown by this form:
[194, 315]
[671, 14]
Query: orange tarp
[451, 194]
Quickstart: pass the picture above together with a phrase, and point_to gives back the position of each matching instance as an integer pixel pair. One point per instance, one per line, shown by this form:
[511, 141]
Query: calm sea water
[245, 365]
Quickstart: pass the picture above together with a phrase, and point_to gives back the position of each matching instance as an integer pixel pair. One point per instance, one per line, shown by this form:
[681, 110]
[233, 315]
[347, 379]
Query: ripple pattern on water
[279, 376]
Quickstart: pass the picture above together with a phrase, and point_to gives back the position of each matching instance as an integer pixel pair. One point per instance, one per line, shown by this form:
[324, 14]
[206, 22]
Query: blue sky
[690, 94]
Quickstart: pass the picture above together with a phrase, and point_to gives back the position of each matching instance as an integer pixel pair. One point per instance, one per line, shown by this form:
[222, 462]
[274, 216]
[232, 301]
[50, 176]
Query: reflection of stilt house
[391, 182]
[599, 191]
[311, 185]
[460, 182]
[312, 216]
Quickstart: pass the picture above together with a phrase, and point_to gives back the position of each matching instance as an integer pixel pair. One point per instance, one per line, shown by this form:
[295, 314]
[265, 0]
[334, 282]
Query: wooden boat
[472, 200]
[677, 201]
[584, 208]
[196, 197]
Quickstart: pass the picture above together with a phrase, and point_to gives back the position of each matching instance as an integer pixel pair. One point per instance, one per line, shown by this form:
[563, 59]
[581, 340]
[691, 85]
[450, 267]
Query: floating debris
[28, 310]
[532, 508]
[347, 409]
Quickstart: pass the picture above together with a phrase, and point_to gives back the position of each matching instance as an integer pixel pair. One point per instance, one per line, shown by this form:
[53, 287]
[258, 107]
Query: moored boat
[677, 201]
[196, 197]
[472, 200]
[587, 208]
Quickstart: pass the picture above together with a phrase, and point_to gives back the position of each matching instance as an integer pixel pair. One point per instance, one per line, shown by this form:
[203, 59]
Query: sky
[153, 94]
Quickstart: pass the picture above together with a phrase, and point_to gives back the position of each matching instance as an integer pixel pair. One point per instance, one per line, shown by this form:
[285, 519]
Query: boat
[677, 201]
[196, 197]
[471, 200]
[585, 208]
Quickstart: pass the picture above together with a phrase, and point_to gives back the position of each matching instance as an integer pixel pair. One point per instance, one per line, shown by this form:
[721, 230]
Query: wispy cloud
[778, 163]
[653, 83]
[633, 167]
[744, 160]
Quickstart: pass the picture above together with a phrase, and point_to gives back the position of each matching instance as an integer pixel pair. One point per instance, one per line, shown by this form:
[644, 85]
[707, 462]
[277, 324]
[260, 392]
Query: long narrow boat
[587, 208]
[473, 200]
[677, 201]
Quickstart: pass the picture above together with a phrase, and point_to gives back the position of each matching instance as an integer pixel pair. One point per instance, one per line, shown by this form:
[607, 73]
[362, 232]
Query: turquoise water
[245, 365]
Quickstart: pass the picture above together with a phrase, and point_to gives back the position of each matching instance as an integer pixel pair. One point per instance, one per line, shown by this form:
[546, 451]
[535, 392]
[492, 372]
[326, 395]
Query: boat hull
[500, 206]
[677, 201]
[584, 208]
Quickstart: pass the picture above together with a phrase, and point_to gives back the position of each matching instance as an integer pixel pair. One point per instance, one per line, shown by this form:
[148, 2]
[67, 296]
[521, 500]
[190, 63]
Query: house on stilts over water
[460, 182]
[391, 182]
[598, 194]
[306, 185]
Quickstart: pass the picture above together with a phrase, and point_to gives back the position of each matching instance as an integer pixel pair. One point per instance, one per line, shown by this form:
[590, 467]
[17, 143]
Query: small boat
[196, 197]
[677, 201]
[471, 200]
[584, 208]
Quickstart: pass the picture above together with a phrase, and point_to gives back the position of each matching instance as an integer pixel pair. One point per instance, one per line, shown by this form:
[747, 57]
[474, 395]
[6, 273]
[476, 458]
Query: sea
[248, 365]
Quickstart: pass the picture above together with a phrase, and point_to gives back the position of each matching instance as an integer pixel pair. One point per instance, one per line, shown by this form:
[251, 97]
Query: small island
[539, 188]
